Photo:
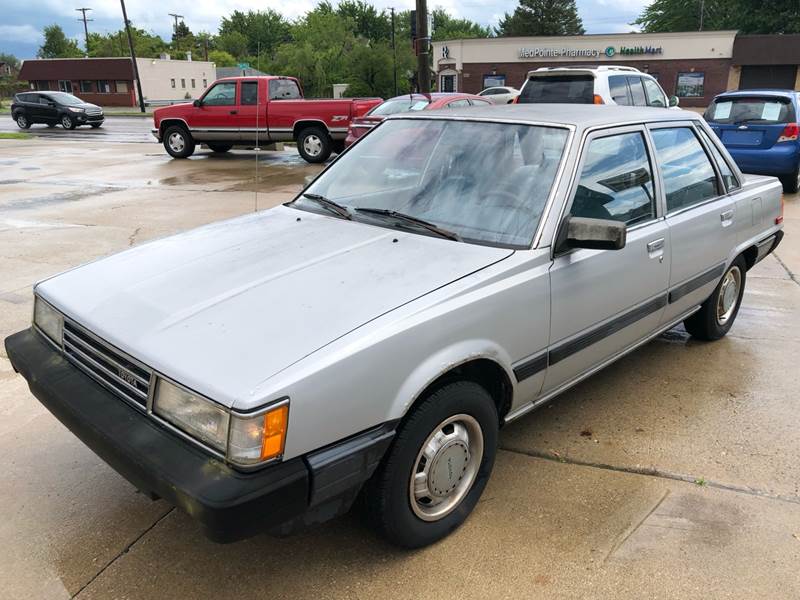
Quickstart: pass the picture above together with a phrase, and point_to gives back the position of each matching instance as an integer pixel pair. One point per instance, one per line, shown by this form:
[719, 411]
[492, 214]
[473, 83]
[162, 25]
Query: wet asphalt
[113, 130]
[671, 474]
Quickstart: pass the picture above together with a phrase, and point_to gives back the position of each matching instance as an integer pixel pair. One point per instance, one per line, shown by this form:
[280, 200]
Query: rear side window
[458, 103]
[616, 181]
[750, 109]
[569, 89]
[618, 85]
[249, 92]
[284, 89]
[688, 175]
[476, 102]
[637, 91]
[655, 96]
[728, 178]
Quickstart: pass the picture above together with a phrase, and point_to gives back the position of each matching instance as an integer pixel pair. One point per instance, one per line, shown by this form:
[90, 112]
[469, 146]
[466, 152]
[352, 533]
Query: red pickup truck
[243, 111]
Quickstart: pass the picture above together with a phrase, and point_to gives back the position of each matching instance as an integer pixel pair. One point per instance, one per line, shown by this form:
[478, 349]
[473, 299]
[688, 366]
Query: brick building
[695, 66]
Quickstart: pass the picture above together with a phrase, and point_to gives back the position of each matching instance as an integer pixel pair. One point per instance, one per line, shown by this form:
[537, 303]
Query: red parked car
[240, 111]
[410, 102]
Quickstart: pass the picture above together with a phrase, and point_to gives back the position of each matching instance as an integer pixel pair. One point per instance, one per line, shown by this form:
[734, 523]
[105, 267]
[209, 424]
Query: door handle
[726, 216]
[234, 112]
[655, 245]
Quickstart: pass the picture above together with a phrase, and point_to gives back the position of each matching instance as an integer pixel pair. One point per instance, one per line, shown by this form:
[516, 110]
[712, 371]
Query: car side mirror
[673, 101]
[197, 103]
[594, 234]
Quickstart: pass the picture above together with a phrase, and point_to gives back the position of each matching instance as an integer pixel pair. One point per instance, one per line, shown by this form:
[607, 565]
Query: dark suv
[53, 108]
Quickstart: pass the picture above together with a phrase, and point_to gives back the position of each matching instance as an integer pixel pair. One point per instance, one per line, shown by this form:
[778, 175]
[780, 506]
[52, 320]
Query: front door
[700, 214]
[604, 301]
[214, 119]
[46, 110]
[448, 83]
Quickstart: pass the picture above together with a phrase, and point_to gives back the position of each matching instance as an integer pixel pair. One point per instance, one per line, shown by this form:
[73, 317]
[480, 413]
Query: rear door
[603, 301]
[559, 88]
[701, 216]
[252, 124]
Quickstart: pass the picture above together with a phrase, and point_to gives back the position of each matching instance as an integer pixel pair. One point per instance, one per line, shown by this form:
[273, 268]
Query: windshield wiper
[393, 214]
[329, 205]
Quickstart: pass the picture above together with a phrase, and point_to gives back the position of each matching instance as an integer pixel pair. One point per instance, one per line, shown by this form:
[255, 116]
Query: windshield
[568, 89]
[66, 99]
[492, 192]
[398, 105]
[750, 109]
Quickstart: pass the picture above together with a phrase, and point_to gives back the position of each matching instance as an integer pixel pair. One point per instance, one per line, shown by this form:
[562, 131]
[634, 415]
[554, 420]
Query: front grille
[94, 111]
[110, 367]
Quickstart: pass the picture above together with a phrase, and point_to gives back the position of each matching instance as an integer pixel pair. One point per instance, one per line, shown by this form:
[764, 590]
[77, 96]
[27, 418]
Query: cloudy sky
[22, 22]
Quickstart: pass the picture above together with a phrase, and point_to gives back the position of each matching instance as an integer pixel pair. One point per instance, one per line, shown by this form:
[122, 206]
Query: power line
[85, 26]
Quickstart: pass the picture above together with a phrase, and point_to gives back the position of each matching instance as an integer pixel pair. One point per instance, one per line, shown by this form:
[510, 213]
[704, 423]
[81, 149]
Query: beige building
[168, 79]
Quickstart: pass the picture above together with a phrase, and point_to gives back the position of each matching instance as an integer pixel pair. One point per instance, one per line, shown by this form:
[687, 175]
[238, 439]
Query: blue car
[759, 129]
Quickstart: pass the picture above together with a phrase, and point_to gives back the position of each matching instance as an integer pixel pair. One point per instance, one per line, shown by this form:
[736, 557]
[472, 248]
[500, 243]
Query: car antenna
[258, 110]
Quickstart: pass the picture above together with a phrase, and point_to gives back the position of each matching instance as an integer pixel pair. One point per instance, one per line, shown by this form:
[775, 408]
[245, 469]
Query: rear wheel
[22, 121]
[67, 122]
[791, 182]
[718, 312]
[178, 142]
[220, 148]
[314, 144]
[437, 467]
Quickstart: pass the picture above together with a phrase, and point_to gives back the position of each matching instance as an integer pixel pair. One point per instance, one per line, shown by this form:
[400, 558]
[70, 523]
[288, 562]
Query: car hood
[222, 308]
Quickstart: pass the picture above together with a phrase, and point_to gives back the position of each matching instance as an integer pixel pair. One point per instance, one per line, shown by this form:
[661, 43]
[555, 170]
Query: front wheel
[178, 142]
[23, 122]
[718, 312]
[67, 122]
[314, 144]
[437, 467]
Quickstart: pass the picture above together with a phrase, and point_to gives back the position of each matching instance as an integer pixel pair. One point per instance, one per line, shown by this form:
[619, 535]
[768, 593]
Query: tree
[146, 45]
[446, 27]
[221, 58]
[747, 16]
[365, 20]
[542, 17]
[242, 33]
[58, 45]
[8, 83]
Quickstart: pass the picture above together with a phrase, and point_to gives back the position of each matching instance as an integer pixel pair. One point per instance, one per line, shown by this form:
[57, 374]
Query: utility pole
[133, 55]
[175, 30]
[394, 54]
[85, 26]
[702, 10]
[423, 48]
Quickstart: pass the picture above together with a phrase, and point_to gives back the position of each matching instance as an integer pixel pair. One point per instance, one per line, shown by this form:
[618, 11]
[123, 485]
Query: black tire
[178, 142]
[220, 148]
[95, 125]
[314, 144]
[387, 495]
[706, 324]
[67, 122]
[22, 121]
[791, 182]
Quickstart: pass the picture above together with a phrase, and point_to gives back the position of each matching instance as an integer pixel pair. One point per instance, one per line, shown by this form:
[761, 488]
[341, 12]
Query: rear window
[746, 109]
[391, 107]
[568, 89]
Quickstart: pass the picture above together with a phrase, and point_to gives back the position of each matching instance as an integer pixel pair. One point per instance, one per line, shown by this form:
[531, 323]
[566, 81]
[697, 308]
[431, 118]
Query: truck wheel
[314, 144]
[22, 121]
[178, 142]
[718, 312]
[791, 182]
[220, 148]
[67, 122]
[436, 468]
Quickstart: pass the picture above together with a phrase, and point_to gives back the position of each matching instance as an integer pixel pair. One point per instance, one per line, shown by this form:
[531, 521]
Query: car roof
[431, 96]
[580, 116]
[758, 92]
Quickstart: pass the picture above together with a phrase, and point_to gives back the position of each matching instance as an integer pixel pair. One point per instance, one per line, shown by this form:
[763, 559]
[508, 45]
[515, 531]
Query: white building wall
[158, 76]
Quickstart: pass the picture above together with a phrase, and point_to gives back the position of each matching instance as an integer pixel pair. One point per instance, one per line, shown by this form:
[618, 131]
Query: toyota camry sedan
[370, 338]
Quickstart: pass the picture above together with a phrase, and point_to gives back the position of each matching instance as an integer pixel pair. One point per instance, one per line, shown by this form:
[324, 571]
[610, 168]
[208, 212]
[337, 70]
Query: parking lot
[672, 474]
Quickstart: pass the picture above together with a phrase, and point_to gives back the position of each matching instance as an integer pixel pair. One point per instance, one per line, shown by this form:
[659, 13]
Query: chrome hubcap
[446, 467]
[728, 295]
[312, 145]
[176, 142]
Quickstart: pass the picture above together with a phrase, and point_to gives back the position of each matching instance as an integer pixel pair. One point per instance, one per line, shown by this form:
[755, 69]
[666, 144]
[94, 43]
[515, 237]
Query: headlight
[48, 320]
[258, 438]
[193, 414]
[77, 110]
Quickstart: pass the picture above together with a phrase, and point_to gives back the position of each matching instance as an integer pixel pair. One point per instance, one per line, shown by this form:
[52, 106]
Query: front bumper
[156, 134]
[230, 504]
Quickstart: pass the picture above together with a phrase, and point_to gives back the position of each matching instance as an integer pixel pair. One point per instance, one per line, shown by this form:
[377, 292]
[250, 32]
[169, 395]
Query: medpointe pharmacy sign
[609, 51]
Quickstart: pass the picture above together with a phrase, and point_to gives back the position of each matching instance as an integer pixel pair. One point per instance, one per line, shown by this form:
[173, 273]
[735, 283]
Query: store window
[122, 87]
[448, 83]
[64, 85]
[86, 87]
[193, 85]
[690, 85]
[493, 81]
[41, 85]
[104, 87]
[183, 84]
[172, 83]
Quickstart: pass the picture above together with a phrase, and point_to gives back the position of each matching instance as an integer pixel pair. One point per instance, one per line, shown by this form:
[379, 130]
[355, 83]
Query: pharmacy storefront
[695, 66]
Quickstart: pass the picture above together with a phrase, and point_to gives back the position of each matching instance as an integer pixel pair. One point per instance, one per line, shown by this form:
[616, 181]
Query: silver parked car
[372, 336]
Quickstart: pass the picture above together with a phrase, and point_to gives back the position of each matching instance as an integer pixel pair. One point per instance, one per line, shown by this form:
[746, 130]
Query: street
[671, 474]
